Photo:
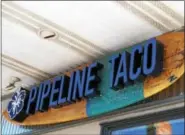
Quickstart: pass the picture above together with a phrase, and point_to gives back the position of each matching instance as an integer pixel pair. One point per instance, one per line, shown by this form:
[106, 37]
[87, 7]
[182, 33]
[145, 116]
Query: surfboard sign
[112, 82]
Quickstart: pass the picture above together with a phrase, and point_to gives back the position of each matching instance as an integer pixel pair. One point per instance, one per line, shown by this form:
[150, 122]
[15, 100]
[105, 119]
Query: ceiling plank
[152, 14]
[70, 39]
[157, 14]
[24, 68]
[168, 11]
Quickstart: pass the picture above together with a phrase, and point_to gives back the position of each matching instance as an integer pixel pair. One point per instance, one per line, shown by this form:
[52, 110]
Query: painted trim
[167, 10]
[29, 68]
[166, 114]
[156, 19]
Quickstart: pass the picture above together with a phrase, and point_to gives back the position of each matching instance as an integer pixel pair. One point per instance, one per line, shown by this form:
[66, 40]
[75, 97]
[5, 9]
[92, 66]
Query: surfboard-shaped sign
[115, 81]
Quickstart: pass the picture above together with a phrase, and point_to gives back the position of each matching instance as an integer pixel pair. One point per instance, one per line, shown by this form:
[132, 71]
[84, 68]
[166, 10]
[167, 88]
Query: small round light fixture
[47, 34]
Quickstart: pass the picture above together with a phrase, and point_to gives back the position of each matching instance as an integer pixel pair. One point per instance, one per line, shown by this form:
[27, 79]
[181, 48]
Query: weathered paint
[173, 63]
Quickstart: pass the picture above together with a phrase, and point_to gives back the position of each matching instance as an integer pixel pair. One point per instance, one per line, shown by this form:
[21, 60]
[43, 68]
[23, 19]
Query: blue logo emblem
[16, 105]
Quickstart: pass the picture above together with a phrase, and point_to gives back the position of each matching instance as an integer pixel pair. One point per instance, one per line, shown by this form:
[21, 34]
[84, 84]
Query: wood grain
[173, 63]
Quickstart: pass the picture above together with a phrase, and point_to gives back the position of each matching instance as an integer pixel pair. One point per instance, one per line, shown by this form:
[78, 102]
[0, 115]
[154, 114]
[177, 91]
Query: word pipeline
[62, 90]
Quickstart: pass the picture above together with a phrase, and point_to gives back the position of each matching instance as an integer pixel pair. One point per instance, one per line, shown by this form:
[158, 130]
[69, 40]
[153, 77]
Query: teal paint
[109, 99]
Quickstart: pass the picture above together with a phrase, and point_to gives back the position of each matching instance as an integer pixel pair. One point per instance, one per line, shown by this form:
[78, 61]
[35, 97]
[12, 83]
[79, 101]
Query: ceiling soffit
[37, 23]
